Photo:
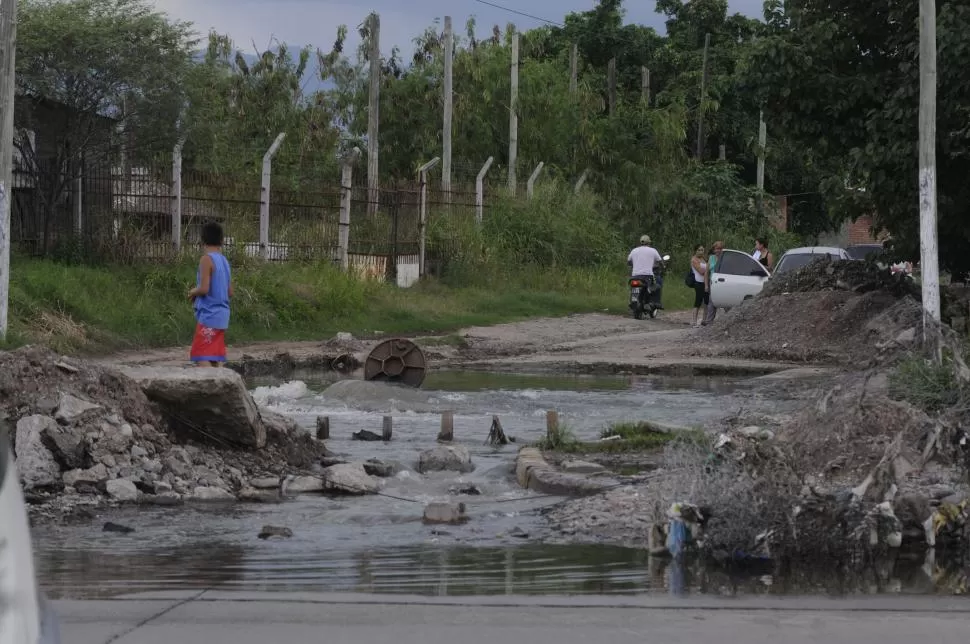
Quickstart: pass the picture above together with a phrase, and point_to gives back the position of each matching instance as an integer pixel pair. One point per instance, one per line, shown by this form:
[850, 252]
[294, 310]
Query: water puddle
[378, 543]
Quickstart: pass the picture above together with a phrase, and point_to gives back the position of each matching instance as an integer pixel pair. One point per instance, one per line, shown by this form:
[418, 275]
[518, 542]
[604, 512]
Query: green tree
[841, 78]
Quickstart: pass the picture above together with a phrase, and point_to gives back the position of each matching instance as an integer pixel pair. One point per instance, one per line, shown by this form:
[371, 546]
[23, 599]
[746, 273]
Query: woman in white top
[701, 296]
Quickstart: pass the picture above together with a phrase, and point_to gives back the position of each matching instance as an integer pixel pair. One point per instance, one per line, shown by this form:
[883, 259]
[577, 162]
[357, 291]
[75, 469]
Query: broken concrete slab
[446, 458]
[447, 513]
[533, 472]
[350, 478]
[36, 464]
[582, 467]
[213, 401]
[122, 490]
[71, 409]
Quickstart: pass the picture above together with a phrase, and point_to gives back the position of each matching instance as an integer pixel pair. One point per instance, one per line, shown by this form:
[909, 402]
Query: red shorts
[208, 345]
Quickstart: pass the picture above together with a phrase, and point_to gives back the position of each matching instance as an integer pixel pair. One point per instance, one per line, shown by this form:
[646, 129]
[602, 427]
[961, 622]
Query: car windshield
[792, 262]
[861, 252]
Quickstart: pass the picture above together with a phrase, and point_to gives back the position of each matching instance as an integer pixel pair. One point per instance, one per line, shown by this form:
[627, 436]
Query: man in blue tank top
[211, 300]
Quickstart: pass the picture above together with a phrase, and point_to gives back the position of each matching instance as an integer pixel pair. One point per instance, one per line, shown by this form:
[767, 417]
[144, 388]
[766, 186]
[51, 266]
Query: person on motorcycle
[642, 260]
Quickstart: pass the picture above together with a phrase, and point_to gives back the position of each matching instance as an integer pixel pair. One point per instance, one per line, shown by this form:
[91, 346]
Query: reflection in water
[464, 571]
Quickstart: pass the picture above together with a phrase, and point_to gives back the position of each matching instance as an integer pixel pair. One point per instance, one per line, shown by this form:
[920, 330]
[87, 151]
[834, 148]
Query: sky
[315, 22]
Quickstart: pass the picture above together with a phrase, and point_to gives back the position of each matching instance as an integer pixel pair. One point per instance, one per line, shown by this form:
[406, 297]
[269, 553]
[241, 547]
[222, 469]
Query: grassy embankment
[643, 436]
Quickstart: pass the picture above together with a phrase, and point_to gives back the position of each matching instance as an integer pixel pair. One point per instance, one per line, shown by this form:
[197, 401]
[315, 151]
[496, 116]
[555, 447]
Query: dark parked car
[863, 251]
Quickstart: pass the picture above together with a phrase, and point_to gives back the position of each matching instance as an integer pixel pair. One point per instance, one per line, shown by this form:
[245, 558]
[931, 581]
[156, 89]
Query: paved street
[220, 618]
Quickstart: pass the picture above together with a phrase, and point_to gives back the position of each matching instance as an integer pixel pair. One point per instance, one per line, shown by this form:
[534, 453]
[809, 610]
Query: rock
[331, 461]
[92, 477]
[163, 499]
[279, 423]
[36, 464]
[350, 478]
[122, 490]
[265, 483]
[470, 490]
[162, 487]
[216, 399]
[152, 465]
[116, 527]
[270, 531]
[906, 337]
[303, 485]
[518, 533]
[114, 441]
[377, 467]
[451, 513]
[757, 433]
[534, 473]
[71, 410]
[67, 444]
[582, 467]
[211, 495]
[252, 495]
[364, 435]
[344, 337]
[446, 458]
[139, 452]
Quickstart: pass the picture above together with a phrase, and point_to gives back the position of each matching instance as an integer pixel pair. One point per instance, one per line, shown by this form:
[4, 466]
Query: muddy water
[378, 543]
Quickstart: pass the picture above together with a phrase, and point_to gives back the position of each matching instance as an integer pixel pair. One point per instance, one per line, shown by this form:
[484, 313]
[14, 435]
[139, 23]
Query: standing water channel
[378, 544]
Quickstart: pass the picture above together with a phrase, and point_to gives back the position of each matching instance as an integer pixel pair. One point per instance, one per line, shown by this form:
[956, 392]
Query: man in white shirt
[643, 257]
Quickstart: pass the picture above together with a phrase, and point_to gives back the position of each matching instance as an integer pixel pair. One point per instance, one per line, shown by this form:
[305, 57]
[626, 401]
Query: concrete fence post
[79, 204]
[480, 191]
[264, 195]
[177, 197]
[530, 186]
[423, 221]
[346, 200]
[582, 181]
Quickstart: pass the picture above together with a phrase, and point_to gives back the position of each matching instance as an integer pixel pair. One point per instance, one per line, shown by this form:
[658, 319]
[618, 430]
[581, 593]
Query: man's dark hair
[212, 234]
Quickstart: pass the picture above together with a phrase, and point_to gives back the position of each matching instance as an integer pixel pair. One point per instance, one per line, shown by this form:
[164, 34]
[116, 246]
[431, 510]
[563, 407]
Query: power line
[519, 13]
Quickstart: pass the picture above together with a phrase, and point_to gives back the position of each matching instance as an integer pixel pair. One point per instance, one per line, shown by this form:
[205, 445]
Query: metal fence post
[346, 199]
[423, 221]
[177, 197]
[264, 195]
[480, 191]
[582, 181]
[79, 204]
[530, 186]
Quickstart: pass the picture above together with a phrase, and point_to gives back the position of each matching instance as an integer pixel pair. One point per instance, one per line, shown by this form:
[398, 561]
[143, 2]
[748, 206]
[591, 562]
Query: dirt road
[587, 343]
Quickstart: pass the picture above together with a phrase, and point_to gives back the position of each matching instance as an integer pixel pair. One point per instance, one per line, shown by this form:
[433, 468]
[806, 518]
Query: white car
[736, 277]
[25, 615]
[799, 257]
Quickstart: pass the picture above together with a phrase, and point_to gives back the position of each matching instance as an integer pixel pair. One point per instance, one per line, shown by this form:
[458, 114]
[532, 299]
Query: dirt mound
[84, 433]
[836, 327]
[826, 274]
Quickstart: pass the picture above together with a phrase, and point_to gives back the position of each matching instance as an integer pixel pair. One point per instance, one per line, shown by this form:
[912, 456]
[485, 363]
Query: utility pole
[573, 68]
[8, 52]
[611, 85]
[645, 85]
[374, 116]
[700, 107]
[929, 257]
[446, 126]
[514, 114]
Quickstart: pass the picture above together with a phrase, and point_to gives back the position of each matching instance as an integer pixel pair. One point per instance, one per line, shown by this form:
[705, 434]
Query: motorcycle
[646, 291]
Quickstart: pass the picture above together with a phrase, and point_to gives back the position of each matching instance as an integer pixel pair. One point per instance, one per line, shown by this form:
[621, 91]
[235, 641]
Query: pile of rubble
[84, 434]
[826, 274]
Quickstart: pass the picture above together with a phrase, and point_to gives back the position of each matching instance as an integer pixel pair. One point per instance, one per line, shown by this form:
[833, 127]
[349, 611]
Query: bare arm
[206, 267]
[695, 262]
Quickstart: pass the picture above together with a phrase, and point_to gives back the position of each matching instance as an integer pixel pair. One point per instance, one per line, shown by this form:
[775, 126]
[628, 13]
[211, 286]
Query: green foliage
[928, 385]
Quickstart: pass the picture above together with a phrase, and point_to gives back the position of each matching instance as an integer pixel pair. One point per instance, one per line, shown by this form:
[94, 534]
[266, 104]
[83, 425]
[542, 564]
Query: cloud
[315, 22]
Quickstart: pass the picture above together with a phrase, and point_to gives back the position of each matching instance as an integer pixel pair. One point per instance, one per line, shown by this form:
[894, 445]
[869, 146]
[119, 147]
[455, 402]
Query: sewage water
[378, 544]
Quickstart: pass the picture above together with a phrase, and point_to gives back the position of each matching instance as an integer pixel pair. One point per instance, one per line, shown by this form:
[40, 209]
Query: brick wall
[860, 232]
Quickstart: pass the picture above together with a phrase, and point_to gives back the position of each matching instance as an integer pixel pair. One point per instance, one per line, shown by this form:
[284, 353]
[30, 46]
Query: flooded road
[378, 544]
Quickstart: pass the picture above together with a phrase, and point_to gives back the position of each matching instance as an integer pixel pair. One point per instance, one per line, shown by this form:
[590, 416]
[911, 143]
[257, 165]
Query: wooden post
[929, 254]
[645, 85]
[374, 116]
[8, 49]
[552, 426]
[449, 45]
[574, 68]
[177, 197]
[611, 85]
[264, 195]
[447, 433]
[346, 202]
[496, 434]
[480, 191]
[701, 106]
[323, 428]
[388, 428]
[423, 214]
[531, 184]
[514, 114]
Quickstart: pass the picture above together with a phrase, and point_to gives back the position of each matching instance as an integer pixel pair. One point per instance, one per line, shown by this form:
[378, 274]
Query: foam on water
[277, 396]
